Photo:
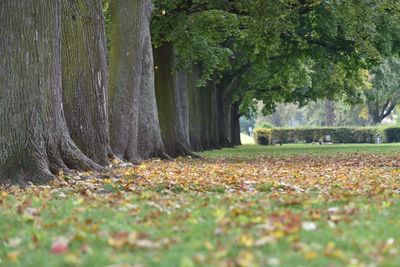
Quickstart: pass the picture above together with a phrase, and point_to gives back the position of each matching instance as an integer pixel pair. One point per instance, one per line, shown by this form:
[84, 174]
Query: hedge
[392, 134]
[337, 135]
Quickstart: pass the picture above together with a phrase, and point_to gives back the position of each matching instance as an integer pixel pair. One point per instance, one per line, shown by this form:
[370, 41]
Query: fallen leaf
[60, 245]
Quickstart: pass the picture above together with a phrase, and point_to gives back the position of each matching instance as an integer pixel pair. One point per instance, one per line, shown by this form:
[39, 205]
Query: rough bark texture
[182, 84]
[224, 118]
[235, 125]
[204, 118]
[195, 110]
[215, 144]
[329, 112]
[134, 126]
[85, 76]
[34, 139]
[169, 101]
[149, 135]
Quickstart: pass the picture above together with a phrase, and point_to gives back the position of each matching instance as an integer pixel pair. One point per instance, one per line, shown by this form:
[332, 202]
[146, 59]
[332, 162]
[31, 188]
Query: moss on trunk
[85, 76]
[34, 139]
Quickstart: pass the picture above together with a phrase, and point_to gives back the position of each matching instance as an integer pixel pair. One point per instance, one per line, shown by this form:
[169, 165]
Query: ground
[290, 205]
[246, 140]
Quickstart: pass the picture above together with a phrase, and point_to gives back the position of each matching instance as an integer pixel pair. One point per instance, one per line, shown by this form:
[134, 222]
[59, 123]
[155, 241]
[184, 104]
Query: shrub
[337, 134]
[262, 136]
[392, 134]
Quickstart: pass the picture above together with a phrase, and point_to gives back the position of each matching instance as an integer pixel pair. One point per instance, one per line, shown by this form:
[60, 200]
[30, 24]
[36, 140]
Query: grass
[216, 212]
[302, 149]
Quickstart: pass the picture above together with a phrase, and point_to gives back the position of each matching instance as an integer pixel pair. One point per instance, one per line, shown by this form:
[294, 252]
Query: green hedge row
[336, 134]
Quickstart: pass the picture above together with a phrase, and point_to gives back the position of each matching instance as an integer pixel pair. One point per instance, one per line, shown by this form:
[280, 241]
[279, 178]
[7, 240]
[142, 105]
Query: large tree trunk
[235, 124]
[204, 118]
[214, 118]
[182, 84]
[373, 114]
[223, 113]
[169, 102]
[329, 112]
[85, 76]
[134, 127]
[149, 136]
[34, 139]
[210, 122]
[195, 109]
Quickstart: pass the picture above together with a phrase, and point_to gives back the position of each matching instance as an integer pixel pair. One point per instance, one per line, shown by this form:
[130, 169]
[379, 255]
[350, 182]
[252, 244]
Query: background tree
[277, 52]
[171, 97]
[384, 95]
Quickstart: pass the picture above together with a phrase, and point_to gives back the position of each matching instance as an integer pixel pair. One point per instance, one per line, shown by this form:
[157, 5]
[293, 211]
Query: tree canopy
[283, 51]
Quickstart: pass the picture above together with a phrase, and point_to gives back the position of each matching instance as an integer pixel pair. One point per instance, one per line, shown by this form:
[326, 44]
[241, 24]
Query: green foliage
[338, 135]
[392, 134]
[265, 125]
[262, 136]
[281, 51]
[107, 18]
[197, 31]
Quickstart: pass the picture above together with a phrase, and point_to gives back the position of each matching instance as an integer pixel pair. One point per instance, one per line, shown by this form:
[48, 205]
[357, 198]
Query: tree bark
[85, 76]
[204, 118]
[377, 114]
[150, 143]
[235, 124]
[169, 102]
[194, 103]
[223, 113]
[329, 113]
[134, 126]
[214, 119]
[182, 84]
[34, 139]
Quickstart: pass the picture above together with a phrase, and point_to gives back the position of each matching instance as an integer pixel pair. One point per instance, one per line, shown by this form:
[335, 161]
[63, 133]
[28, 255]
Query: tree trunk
[224, 98]
[373, 114]
[204, 118]
[223, 118]
[169, 102]
[182, 84]
[85, 76]
[235, 124]
[214, 135]
[134, 127]
[34, 139]
[150, 143]
[378, 113]
[329, 113]
[195, 107]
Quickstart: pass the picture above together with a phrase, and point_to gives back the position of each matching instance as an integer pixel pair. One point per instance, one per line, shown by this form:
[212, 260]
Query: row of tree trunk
[63, 106]
[192, 118]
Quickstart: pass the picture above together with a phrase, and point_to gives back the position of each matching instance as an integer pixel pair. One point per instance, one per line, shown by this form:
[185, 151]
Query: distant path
[246, 139]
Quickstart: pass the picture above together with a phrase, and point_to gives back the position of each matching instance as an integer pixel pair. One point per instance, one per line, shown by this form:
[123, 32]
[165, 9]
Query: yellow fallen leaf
[310, 255]
[245, 259]
[13, 255]
[208, 245]
[245, 240]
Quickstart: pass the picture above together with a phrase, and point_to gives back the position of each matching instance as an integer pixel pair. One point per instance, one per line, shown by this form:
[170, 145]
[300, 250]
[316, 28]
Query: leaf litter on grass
[243, 212]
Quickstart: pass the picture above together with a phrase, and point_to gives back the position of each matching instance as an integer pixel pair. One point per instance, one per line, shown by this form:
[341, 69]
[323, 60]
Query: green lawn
[297, 149]
[271, 206]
